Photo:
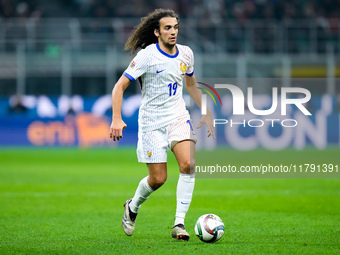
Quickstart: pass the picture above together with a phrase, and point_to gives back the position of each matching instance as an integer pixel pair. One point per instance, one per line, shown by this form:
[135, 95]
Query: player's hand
[207, 120]
[116, 129]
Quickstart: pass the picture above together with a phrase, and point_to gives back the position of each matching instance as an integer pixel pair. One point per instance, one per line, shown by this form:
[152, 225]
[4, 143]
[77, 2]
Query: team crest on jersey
[133, 63]
[183, 66]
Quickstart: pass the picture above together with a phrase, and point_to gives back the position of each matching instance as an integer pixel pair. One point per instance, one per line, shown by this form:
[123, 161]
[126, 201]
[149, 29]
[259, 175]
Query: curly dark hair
[143, 35]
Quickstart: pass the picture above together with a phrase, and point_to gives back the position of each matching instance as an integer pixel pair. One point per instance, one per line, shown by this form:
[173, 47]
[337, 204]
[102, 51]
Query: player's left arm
[196, 95]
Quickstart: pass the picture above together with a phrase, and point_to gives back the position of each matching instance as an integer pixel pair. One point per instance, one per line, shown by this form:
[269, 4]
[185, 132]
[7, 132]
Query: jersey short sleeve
[189, 55]
[138, 66]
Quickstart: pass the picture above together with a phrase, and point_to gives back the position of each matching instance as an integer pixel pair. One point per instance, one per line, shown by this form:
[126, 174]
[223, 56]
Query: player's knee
[161, 180]
[187, 167]
[158, 181]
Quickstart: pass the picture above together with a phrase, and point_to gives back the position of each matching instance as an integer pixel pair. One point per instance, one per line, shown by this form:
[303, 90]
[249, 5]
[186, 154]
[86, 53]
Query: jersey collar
[166, 54]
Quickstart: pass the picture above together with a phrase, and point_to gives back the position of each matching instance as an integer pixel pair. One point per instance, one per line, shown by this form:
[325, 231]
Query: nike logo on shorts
[160, 71]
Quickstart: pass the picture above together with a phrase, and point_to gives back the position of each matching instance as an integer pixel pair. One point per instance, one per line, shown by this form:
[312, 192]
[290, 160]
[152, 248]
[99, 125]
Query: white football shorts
[153, 145]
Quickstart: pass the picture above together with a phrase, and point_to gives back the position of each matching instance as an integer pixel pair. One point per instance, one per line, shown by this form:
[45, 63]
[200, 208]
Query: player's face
[167, 35]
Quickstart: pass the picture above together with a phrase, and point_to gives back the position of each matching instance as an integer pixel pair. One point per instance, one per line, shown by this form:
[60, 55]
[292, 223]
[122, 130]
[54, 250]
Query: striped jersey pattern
[161, 79]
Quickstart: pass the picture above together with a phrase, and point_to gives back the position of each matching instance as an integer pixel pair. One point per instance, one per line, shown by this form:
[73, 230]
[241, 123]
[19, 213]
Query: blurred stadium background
[60, 59]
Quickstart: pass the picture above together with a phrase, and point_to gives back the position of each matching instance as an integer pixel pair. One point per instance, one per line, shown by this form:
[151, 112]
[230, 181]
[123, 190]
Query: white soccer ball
[209, 228]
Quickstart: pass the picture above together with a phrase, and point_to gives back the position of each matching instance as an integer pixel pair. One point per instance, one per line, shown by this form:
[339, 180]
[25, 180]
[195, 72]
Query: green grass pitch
[70, 201]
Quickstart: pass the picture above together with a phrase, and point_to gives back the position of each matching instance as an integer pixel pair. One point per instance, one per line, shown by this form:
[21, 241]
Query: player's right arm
[118, 125]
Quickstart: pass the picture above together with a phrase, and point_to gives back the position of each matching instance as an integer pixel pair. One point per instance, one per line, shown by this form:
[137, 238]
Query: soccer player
[163, 120]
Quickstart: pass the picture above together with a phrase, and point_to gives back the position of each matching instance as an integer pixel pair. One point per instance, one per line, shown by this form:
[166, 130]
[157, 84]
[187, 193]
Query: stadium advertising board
[84, 121]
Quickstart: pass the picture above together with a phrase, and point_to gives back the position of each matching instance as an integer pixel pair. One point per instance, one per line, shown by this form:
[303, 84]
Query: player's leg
[184, 152]
[156, 178]
[157, 174]
[151, 149]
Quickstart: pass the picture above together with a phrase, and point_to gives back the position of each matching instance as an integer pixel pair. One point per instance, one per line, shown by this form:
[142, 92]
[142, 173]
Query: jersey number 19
[172, 88]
